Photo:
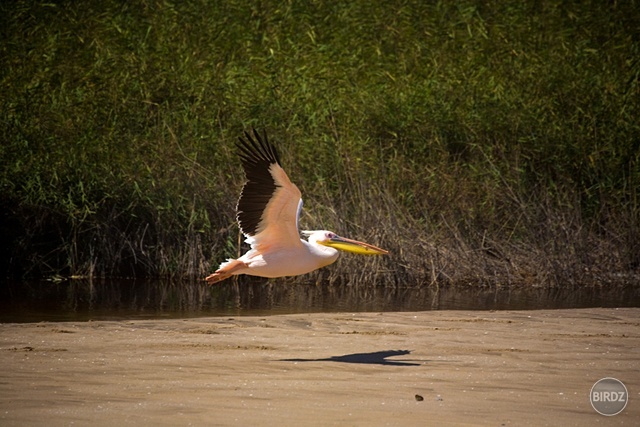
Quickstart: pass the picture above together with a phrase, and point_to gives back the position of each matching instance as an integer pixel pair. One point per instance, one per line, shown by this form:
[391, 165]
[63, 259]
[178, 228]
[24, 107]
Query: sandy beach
[364, 369]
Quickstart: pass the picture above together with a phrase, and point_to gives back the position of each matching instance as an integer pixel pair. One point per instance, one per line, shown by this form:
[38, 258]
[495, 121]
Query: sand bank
[370, 369]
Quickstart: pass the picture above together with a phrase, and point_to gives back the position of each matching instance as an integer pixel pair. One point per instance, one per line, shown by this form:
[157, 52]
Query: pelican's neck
[325, 254]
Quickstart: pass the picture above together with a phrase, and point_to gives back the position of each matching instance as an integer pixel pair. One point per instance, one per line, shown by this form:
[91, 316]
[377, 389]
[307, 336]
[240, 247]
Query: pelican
[267, 213]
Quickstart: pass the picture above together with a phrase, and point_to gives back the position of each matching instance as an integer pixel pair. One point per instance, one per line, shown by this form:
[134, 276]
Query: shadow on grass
[374, 358]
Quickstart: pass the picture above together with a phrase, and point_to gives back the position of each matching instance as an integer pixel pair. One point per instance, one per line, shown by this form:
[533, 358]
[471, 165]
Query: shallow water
[129, 299]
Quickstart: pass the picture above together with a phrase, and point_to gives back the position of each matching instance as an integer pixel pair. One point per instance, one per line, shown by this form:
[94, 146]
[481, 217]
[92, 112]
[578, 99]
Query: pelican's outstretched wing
[270, 204]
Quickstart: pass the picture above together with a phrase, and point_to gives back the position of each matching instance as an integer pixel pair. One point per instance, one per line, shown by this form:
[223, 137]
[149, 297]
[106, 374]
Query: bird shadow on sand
[374, 358]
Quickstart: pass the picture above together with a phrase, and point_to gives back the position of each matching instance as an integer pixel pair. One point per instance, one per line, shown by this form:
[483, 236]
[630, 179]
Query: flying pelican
[268, 212]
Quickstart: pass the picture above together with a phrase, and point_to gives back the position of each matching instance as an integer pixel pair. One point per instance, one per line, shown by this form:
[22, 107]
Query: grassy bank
[480, 142]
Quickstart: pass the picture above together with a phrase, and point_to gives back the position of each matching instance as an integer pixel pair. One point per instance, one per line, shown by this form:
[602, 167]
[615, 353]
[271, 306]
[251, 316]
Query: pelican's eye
[330, 235]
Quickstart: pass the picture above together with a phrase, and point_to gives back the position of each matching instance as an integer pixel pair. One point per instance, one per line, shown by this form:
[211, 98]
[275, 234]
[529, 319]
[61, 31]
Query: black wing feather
[257, 156]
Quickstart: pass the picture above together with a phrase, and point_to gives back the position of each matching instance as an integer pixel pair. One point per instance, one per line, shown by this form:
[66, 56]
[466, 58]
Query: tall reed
[481, 143]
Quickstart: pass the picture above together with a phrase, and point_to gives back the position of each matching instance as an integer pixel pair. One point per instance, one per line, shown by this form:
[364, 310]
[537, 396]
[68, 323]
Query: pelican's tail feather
[226, 270]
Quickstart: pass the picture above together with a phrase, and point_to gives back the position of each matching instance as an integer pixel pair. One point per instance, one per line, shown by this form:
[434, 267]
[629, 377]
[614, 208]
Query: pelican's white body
[288, 260]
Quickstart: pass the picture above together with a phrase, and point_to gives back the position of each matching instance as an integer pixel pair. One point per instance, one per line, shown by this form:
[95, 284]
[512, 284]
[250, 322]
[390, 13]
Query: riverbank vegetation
[481, 143]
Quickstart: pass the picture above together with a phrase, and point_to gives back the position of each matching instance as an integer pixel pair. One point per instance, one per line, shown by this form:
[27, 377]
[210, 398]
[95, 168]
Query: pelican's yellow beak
[353, 246]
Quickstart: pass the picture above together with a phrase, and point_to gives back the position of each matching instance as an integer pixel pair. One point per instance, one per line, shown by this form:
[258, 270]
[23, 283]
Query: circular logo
[609, 396]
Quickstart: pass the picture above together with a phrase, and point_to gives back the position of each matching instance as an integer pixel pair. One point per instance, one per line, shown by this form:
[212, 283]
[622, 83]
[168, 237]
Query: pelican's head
[331, 239]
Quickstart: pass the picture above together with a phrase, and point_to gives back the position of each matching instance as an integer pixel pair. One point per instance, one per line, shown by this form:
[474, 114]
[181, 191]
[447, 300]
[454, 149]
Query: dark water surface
[129, 299]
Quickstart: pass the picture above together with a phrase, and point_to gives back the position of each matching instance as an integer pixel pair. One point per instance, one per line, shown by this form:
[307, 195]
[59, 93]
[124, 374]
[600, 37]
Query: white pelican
[268, 212]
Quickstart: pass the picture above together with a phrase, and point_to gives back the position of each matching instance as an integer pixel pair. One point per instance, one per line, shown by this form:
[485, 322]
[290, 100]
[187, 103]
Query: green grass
[482, 143]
